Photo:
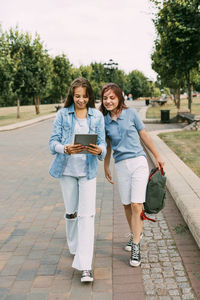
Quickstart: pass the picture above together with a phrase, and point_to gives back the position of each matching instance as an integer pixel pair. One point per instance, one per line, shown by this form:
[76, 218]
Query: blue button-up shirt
[63, 134]
[123, 134]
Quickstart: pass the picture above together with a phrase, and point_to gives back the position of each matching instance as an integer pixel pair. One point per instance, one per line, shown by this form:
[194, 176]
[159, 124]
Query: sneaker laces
[130, 235]
[86, 273]
[135, 251]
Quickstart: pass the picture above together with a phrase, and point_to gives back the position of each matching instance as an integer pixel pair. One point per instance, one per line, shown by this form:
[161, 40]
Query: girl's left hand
[93, 149]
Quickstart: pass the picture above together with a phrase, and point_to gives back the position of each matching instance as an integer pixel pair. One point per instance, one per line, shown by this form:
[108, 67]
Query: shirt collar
[72, 110]
[121, 117]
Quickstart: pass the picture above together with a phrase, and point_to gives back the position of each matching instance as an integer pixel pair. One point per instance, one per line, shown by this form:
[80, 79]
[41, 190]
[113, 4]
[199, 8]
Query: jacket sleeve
[101, 142]
[56, 136]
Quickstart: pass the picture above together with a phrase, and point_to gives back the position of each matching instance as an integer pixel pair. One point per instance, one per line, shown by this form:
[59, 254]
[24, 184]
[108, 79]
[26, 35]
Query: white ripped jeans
[79, 196]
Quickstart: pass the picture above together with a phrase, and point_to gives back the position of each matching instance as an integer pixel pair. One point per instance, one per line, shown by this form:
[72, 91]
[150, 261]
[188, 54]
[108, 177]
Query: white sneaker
[128, 246]
[87, 276]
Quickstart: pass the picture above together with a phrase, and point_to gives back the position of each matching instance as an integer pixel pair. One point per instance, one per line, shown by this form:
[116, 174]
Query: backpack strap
[156, 170]
[144, 217]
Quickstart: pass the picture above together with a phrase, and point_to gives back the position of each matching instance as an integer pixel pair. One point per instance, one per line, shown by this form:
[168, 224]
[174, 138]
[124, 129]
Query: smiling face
[110, 101]
[80, 98]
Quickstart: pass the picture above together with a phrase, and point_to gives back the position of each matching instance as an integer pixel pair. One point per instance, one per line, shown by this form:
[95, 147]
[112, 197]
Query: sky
[88, 30]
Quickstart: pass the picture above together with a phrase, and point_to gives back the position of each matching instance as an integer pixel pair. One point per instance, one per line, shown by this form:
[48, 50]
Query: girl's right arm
[107, 162]
[56, 136]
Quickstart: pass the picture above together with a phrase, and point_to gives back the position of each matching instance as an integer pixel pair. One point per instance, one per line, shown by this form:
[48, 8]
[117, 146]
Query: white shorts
[132, 177]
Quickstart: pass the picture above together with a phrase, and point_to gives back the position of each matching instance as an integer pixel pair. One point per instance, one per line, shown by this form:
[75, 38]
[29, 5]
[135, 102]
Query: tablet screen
[85, 139]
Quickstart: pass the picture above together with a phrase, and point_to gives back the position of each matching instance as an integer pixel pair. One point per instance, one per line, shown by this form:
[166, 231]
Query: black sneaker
[87, 276]
[135, 259]
[128, 246]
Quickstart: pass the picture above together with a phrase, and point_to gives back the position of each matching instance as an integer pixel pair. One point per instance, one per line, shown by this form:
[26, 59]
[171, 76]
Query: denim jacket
[63, 134]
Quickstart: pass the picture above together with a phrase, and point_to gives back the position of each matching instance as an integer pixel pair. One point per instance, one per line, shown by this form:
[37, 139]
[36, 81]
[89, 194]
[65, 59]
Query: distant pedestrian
[77, 172]
[130, 97]
[123, 132]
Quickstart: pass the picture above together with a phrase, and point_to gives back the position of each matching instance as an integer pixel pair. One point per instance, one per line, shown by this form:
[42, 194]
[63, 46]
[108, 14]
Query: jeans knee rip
[71, 216]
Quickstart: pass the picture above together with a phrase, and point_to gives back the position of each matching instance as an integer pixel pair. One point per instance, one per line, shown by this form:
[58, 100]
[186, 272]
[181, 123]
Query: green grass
[8, 115]
[154, 112]
[186, 144]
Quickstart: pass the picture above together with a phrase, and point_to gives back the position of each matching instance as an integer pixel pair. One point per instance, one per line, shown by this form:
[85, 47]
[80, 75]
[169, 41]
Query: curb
[182, 182]
[26, 123]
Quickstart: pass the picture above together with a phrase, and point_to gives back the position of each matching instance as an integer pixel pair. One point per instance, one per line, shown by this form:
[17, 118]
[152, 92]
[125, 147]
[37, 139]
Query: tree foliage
[138, 84]
[177, 48]
[61, 77]
[27, 67]
[29, 75]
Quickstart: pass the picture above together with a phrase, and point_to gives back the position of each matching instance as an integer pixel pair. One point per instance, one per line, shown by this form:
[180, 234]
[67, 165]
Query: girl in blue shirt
[124, 129]
[76, 171]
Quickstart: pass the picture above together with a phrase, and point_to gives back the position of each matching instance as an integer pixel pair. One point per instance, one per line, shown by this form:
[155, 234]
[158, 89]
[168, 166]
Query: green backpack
[155, 193]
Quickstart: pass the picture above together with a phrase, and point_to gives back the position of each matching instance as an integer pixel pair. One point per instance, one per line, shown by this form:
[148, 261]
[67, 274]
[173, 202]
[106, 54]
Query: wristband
[66, 150]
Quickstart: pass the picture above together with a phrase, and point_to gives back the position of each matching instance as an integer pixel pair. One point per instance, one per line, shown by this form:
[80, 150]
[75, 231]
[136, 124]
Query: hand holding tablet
[89, 142]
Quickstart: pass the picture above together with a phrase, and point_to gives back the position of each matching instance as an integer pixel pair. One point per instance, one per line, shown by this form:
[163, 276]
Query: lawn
[186, 144]
[8, 115]
[154, 112]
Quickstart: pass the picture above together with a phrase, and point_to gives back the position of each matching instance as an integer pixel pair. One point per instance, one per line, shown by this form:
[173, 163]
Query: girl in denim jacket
[77, 172]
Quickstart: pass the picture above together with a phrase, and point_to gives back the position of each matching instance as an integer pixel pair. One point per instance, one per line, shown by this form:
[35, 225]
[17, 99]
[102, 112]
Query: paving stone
[47, 270]
[181, 279]
[174, 292]
[37, 296]
[26, 274]
[3, 292]
[16, 297]
[42, 281]
[187, 296]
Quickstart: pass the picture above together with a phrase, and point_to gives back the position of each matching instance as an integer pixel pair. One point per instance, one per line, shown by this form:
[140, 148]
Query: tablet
[85, 139]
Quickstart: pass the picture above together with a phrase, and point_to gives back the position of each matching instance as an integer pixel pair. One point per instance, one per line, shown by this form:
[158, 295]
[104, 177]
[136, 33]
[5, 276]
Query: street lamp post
[111, 66]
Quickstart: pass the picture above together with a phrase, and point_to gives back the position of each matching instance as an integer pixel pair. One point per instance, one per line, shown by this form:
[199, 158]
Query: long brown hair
[83, 82]
[118, 92]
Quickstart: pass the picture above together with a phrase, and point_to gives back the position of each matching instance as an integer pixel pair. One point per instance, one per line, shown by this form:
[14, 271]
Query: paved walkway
[34, 259]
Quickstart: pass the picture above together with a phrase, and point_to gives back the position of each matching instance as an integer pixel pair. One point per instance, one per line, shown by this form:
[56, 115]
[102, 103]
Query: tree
[167, 74]
[178, 26]
[98, 77]
[38, 69]
[86, 71]
[14, 42]
[61, 78]
[6, 72]
[120, 78]
[138, 84]
[26, 65]
[195, 79]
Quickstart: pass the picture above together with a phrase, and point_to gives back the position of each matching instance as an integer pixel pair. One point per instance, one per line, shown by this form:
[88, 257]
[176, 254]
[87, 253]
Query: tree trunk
[37, 105]
[178, 97]
[174, 95]
[189, 85]
[18, 108]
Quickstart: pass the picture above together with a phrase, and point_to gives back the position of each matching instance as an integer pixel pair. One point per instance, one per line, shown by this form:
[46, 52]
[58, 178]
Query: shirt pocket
[93, 129]
[65, 133]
